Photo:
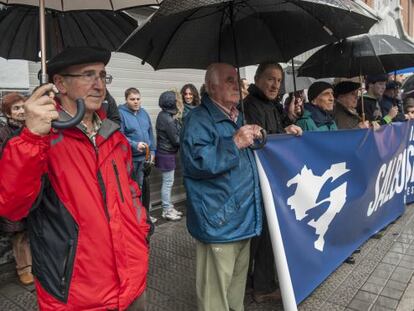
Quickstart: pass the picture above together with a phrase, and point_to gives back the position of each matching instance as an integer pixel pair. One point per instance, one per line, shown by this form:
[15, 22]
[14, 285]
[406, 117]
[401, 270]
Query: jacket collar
[216, 113]
[319, 116]
[106, 129]
[258, 93]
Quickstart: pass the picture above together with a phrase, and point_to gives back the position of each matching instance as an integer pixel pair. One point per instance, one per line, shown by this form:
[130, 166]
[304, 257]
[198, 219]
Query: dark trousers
[137, 305]
[262, 270]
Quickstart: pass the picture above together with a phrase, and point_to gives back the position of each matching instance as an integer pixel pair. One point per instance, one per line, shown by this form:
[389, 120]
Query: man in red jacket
[87, 227]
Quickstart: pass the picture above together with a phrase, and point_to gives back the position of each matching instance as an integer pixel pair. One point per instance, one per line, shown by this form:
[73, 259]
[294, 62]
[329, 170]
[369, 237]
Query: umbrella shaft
[42, 28]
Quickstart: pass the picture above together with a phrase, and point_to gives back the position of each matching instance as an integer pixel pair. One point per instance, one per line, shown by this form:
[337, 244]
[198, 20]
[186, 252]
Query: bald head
[222, 84]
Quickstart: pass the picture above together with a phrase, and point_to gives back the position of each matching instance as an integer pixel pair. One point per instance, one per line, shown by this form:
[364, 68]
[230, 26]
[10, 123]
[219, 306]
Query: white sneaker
[170, 215]
[153, 219]
[178, 213]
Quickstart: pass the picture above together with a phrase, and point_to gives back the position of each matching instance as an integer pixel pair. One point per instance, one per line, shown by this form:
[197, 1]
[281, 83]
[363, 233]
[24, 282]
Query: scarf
[319, 116]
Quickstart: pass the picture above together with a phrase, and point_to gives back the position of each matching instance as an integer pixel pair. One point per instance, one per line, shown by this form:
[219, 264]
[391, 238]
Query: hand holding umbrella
[40, 111]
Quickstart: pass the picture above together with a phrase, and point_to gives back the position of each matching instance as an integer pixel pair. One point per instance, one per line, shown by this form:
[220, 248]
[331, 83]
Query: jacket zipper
[117, 180]
[63, 280]
[101, 185]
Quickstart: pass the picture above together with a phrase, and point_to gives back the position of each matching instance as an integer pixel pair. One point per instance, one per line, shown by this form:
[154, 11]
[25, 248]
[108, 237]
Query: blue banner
[410, 167]
[332, 191]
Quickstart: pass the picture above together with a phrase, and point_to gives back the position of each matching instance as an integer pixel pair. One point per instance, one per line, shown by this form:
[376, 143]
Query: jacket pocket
[67, 268]
[221, 216]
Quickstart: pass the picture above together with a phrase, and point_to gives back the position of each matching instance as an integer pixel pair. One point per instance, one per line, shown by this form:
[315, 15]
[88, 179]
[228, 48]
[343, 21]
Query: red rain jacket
[88, 230]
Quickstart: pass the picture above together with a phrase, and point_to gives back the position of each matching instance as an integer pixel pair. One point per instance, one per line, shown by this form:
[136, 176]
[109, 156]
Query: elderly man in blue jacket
[223, 195]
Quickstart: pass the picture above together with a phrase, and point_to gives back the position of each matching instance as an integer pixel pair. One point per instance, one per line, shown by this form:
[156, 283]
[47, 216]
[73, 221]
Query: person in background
[317, 115]
[244, 87]
[202, 90]
[346, 100]
[190, 97]
[136, 126]
[223, 194]
[294, 105]
[13, 109]
[392, 98]
[375, 86]
[262, 107]
[111, 108]
[168, 142]
[409, 109]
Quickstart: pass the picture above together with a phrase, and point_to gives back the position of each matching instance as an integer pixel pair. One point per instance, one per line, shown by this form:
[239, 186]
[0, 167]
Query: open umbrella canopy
[19, 30]
[76, 5]
[362, 55]
[194, 34]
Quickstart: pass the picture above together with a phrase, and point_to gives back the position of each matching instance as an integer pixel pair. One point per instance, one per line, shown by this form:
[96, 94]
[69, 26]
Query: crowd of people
[77, 194]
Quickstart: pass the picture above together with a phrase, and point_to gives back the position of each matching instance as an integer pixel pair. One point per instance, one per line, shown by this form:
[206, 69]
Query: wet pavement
[381, 278]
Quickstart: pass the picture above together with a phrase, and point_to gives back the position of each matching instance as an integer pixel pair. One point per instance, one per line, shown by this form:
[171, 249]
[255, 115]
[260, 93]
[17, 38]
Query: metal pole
[362, 100]
[283, 273]
[236, 57]
[42, 28]
[293, 74]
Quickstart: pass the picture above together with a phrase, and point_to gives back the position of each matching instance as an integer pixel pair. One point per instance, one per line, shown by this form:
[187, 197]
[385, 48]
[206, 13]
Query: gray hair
[211, 76]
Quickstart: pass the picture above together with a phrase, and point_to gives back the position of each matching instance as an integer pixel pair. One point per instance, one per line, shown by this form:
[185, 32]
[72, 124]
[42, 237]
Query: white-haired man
[223, 195]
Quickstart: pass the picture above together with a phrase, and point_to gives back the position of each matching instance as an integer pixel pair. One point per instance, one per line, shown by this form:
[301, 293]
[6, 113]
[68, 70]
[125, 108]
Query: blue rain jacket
[223, 194]
[137, 128]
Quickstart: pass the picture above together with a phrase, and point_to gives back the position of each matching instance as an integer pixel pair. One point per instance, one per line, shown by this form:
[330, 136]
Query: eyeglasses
[90, 76]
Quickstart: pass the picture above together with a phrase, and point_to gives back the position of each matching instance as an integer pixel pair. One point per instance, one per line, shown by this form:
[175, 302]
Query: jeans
[166, 187]
[139, 172]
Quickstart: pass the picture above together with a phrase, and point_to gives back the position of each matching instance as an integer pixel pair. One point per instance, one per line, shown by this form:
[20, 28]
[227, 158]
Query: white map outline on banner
[307, 191]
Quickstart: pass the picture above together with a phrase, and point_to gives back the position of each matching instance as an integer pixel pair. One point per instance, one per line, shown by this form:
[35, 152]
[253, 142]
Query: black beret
[317, 88]
[346, 87]
[76, 56]
[376, 78]
[392, 85]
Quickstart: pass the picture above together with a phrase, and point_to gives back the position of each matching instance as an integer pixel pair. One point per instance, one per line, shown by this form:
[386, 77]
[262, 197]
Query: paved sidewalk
[381, 279]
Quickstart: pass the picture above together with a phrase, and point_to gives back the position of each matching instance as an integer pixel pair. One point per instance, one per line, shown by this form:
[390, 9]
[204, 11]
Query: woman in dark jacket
[12, 108]
[168, 142]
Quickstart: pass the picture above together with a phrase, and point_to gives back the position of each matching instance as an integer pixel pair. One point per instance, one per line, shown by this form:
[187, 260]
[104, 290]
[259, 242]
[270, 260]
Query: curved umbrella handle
[80, 104]
[147, 153]
[260, 143]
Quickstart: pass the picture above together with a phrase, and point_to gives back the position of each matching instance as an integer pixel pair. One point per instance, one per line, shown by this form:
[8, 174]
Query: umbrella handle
[147, 153]
[262, 142]
[80, 104]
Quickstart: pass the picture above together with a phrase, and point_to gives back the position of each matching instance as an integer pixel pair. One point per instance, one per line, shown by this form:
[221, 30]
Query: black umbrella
[194, 34]
[362, 55]
[19, 30]
[71, 5]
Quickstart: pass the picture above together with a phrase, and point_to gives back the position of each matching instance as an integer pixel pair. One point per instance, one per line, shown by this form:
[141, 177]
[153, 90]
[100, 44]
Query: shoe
[153, 219]
[170, 215]
[26, 278]
[350, 260]
[378, 235]
[261, 297]
[178, 213]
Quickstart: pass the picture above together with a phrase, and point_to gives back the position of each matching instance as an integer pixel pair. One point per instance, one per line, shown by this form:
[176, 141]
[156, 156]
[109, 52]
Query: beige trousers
[21, 252]
[221, 273]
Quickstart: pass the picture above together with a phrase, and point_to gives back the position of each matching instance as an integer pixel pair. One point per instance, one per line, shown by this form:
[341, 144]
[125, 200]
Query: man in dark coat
[346, 100]
[262, 108]
[375, 85]
[392, 98]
